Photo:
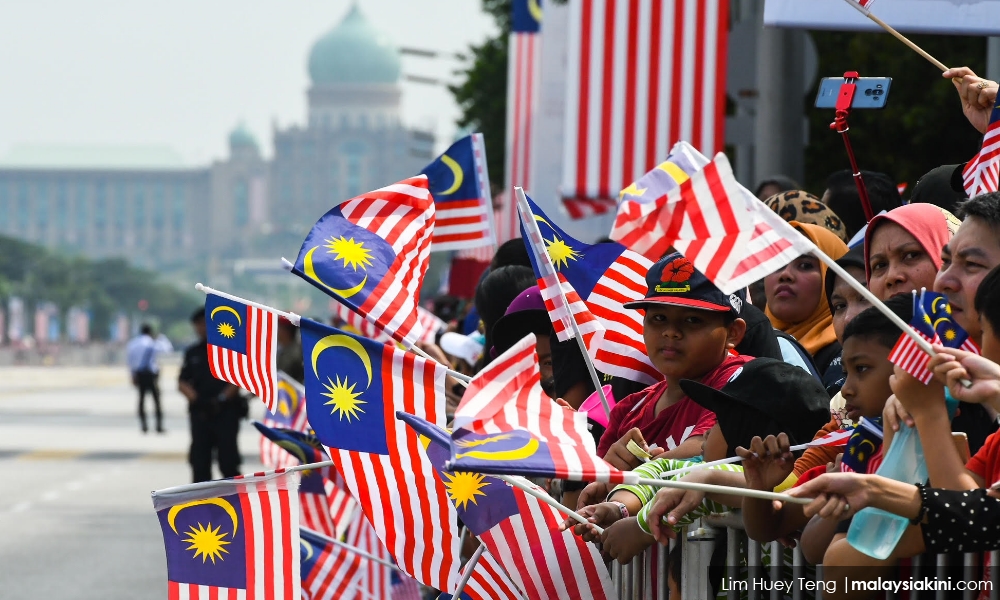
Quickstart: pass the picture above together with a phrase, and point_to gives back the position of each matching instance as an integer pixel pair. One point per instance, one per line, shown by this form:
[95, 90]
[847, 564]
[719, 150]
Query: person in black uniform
[215, 409]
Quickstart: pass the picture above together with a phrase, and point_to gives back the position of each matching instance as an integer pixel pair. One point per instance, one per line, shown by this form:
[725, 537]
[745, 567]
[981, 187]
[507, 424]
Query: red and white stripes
[271, 515]
[336, 574]
[982, 173]
[644, 74]
[490, 581]
[543, 562]
[255, 370]
[908, 355]
[399, 492]
[523, 76]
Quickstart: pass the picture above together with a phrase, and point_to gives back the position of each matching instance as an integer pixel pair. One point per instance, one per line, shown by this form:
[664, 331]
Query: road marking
[51, 455]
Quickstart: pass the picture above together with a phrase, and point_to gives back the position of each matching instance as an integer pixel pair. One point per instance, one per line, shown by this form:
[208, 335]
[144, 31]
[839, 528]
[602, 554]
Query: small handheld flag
[459, 182]
[862, 452]
[371, 254]
[518, 529]
[329, 572]
[982, 173]
[232, 538]
[290, 414]
[932, 321]
[354, 387]
[242, 346]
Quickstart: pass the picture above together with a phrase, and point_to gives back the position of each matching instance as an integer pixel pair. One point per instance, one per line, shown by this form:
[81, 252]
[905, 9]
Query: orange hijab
[816, 332]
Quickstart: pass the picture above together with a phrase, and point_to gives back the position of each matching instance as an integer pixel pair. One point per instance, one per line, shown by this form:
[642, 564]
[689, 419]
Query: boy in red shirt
[689, 327]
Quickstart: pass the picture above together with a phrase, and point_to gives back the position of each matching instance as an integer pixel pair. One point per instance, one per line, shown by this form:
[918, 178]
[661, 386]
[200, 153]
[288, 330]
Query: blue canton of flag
[344, 381]
[862, 446]
[206, 542]
[458, 180]
[527, 17]
[306, 448]
[951, 334]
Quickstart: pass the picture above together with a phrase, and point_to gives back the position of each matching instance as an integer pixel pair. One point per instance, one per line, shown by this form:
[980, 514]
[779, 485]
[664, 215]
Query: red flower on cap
[678, 270]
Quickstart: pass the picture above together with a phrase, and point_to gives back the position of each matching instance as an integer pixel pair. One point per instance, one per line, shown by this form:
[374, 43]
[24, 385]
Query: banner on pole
[962, 17]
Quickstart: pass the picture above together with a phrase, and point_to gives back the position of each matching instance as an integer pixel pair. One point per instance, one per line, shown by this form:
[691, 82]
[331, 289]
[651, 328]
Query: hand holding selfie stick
[844, 100]
[899, 36]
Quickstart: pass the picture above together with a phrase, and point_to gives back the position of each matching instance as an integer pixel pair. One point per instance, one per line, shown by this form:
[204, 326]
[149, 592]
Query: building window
[62, 207]
[178, 212]
[82, 214]
[100, 205]
[23, 206]
[42, 210]
[4, 208]
[159, 208]
[241, 203]
[139, 210]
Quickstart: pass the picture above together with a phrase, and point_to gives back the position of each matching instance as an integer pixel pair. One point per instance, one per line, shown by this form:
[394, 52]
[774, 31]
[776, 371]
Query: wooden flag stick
[192, 487]
[899, 36]
[715, 463]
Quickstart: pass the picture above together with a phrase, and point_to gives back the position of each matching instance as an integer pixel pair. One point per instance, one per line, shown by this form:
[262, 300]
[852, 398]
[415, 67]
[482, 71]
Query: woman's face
[846, 302]
[793, 292]
[898, 263]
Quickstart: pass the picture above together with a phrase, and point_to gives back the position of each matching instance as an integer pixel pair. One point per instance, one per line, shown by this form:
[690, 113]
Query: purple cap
[526, 314]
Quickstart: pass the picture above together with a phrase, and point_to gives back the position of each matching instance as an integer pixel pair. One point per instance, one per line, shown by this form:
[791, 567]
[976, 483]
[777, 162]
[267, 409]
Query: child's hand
[951, 366]
[894, 413]
[767, 463]
[602, 515]
[594, 493]
[624, 540]
[913, 395]
[620, 457]
[671, 504]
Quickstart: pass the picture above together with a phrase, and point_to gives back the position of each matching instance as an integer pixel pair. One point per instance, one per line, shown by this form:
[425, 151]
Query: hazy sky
[184, 73]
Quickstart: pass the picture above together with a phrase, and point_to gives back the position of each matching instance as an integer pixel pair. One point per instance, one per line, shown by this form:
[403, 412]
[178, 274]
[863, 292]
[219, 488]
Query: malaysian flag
[243, 346]
[233, 538]
[717, 224]
[329, 572]
[371, 253]
[505, 425]
[488, 581]
[598, 279]
[519, 530]
[353, 389]
[932, 321]
[306, 449]
[982, 173]
[524, 67]
[681, 163]
[863, 452]
[290, 414]
[642, 76]
[352, 322]
[460, 185]
[376, 579]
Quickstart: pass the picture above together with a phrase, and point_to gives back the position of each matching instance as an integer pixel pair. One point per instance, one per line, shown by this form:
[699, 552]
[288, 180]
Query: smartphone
[961, 444]
[871, 92]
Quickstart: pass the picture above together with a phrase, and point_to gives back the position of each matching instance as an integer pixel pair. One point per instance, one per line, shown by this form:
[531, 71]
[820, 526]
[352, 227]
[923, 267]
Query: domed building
[354, 140]
[143, 204]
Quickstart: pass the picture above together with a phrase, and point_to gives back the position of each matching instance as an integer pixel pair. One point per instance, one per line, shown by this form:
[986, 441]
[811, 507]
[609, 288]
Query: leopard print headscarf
[803, 207]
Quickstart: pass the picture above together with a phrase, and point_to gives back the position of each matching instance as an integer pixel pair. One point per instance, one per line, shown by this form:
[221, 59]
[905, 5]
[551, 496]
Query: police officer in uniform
[215, 408]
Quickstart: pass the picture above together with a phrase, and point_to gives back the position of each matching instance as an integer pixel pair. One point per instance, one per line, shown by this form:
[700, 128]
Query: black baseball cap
[674, 281]
[765, 397]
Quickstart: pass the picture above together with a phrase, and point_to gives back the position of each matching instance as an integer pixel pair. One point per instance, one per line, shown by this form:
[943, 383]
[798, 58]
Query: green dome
[241, 136]
[354, 52]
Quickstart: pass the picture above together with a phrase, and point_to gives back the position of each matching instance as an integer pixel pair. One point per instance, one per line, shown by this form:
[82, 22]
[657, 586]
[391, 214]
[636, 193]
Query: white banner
[964, 17]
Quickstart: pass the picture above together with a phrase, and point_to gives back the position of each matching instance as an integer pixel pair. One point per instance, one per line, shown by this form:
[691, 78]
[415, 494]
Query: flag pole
[899, 36]
[297, 320]
[715, 463]
[524, 487]
[353, 549]
[294, 318]
[192, 487]
[534, 232]
[709, 488]
[469, 566]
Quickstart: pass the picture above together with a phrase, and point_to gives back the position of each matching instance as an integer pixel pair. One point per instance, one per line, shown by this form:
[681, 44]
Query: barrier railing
[646, 576]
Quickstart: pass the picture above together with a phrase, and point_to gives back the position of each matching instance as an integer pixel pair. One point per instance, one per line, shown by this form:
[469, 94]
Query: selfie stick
[844, 99]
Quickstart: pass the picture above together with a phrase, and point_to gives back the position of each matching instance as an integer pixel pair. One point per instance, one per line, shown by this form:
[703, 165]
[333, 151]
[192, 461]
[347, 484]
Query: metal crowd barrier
[633, 581]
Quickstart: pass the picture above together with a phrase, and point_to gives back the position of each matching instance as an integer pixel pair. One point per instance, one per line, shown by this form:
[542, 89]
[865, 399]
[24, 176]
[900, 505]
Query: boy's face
[967, 259]
[715, 445]
[866, 388]
[845, 302]
[544, 351]
[991, 344]
[686, 343]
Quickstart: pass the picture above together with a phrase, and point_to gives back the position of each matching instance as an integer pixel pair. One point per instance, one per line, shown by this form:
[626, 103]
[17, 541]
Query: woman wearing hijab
[903, 248]
[803, 207]
[796, 302]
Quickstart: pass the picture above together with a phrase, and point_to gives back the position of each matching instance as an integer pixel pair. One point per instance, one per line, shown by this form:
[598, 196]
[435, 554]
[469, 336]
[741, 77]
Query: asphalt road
[76, 520]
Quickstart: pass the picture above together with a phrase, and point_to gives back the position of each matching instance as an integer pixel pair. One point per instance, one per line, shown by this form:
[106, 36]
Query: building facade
[144, 204]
